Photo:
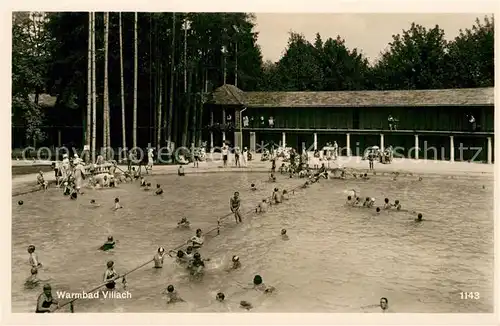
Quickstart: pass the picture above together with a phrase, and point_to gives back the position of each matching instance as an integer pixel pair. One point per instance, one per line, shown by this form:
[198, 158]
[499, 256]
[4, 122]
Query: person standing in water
[158, 258]
[384, 304]
[234, 205]
[108, 245]
[197, 240]
[45, 302]
[33, 259]
[172, 295]
[110, 275]
[33, 280]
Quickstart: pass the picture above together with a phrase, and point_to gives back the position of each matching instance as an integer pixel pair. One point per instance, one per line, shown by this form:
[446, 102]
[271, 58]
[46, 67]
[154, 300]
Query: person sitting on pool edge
[180, 171]
[108, 245]
[158, 191]
[158, 257]
[284, 236]
[172, 295]
[183, 223]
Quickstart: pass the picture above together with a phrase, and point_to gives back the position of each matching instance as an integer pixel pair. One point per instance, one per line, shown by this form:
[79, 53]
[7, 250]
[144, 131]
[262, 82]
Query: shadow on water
[338, 259]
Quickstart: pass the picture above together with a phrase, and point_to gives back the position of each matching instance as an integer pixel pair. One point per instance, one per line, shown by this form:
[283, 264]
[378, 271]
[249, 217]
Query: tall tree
[89, 85]
[94, 91]
[470, 57]
[136, 58]
[171, 98]
[415, 60]
[122, 88]
[106, 88]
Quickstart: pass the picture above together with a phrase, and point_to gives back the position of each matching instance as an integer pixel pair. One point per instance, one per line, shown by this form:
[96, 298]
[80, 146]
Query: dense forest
[152, 71]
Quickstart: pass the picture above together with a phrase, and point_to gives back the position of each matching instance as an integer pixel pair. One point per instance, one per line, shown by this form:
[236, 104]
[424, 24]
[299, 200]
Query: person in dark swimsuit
[45, 300]
[110, 275]
[108, 245]
[234, 205]
[159, 190]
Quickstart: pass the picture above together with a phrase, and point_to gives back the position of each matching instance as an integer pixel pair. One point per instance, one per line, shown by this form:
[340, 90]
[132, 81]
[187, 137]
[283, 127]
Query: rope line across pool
[217, 228]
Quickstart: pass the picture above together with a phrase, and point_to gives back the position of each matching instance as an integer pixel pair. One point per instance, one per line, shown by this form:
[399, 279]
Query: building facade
[450, 124]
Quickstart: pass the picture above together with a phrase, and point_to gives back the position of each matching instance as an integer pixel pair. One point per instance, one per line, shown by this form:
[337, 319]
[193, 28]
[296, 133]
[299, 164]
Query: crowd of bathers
[190, 257]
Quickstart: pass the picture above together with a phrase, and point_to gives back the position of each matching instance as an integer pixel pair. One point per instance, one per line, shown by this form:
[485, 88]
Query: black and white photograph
[252, 162]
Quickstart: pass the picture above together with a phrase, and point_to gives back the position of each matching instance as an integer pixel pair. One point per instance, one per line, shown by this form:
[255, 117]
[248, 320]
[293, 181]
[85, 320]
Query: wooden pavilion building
[432, 124]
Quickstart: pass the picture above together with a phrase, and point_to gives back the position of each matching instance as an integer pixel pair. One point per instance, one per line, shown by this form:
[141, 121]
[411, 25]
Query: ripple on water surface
[338, 259]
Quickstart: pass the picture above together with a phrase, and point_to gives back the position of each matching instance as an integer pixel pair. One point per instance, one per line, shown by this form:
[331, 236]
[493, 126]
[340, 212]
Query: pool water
[338, 258]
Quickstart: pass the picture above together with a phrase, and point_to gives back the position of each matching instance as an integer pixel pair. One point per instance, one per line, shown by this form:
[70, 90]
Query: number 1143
[470, 295]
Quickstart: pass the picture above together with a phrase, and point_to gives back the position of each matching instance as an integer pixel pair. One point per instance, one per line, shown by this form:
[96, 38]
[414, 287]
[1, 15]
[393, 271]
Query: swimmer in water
[183, 223]
[397, 205]
[33, 259]
[41, 181]
[259, 285]
[158, 257]
[371, 202]
[276, 196]
[419, 218]
[117, 204]
[357, 201]
[197, 241]
[180, 171]
[284, 195]
[252, 187]
[197, 264]
[147, 187]
[189, 253]
[272, 178]
[349, 201]
[112, 181]
[234, 205]
[262, 207]
[384, 304]
[108, 245]
[33, 280]
[284, 236]
[172, 295]
[377, 211]
[93, 203]
[365, 203]
[220, 297]
[306, 184]
[73, 192]
[387, 205]
[245, 305]
[158, 191]
[46, 302]
[181, 258]
[110, 275]
[236, 262]
[143, 182]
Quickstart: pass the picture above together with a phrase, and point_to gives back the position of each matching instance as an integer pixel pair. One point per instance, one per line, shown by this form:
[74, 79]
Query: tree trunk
[89, 85]
[171, 99]
[106, 89]
[159, 112]
[187, 95]
[94, 96]
[124, 134]
[192, 101]
[134, 127]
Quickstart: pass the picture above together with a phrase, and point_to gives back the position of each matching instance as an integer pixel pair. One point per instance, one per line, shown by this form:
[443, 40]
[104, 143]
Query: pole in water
[71, 307]
[218, 227]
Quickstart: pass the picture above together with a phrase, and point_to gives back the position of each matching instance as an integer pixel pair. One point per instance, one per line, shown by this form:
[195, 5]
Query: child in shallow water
[33, 281]
[158, 191]
[108, 245]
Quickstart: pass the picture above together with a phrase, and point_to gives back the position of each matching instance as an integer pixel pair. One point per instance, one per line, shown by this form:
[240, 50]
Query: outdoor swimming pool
[338, 259]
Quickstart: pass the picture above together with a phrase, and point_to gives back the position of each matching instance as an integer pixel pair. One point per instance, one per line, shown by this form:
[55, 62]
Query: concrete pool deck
[23, 183]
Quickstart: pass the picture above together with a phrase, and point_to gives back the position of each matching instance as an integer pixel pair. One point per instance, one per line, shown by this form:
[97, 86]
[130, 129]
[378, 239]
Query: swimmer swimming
[236, 262]
[397, 205]
[117, 204]
[108, 245]
[158, 191]
[284, 236]
[172, 295]
[183, 223]
[419, 218]
[387, 205]
[220, 297]
[259, 285]
[252, 187]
